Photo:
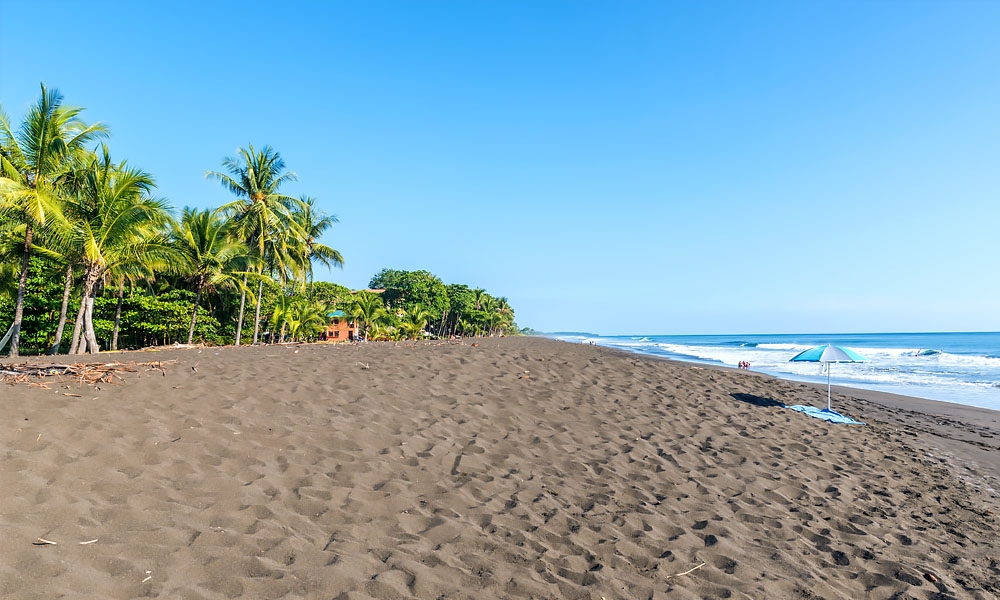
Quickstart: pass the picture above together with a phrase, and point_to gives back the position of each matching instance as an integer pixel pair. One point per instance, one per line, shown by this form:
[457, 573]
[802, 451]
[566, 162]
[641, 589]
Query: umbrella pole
[828, 386]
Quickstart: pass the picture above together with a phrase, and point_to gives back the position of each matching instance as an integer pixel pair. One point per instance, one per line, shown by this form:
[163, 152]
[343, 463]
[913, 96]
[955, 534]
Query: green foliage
[332, 294]
[412, 323]
[368, 311]
[298, 316]
[152, 320]
[451, 310]
[407, 290]
[306, 319]
[42, 301]
[463, 304]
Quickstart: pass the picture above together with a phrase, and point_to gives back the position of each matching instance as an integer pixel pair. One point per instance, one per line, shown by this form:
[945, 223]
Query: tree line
[91, 258]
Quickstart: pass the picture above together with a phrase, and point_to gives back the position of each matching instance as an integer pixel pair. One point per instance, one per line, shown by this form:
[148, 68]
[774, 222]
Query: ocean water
[953, 367]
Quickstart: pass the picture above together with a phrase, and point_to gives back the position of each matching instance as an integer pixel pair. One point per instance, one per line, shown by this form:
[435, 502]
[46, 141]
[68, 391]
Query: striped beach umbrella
[827, 354]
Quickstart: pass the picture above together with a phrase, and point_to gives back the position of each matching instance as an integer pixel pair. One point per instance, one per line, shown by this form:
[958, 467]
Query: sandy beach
[508, 468]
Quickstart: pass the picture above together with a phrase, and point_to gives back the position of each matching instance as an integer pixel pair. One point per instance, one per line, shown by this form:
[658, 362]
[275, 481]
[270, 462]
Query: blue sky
[616, 167]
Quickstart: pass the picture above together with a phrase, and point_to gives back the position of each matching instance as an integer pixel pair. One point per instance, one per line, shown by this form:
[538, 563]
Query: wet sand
[516, 468]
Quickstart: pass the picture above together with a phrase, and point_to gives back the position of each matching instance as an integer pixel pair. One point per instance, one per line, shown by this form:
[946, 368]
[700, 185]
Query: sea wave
[790, 347]
[740, 344]
[938, 370]
[930, 355]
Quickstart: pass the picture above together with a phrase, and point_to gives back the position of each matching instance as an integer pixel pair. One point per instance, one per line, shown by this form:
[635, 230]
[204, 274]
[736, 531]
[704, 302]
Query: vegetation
[92, 259]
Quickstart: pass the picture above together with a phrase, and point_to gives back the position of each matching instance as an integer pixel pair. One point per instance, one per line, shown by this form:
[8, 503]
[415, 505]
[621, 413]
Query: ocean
[953, 367]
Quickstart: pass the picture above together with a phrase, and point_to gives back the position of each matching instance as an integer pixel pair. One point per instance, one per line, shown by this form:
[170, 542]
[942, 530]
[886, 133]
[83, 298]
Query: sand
[515, 468]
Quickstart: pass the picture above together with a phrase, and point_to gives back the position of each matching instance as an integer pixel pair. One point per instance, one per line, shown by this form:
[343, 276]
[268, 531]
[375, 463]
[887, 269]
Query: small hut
[340, 329]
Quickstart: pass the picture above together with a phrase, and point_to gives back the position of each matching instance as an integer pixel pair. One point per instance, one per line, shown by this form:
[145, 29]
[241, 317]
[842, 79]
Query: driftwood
[686, 572]
[89, 373]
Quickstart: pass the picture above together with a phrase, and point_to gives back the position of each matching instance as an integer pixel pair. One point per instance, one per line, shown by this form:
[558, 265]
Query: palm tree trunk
[67, 288]
[194, 314]
[6, 336]
[256, 315]
[243, 301]
[74, 346]
[118, 314]
[88, 328]
[282, 338]
[22, 285]
[88, 340]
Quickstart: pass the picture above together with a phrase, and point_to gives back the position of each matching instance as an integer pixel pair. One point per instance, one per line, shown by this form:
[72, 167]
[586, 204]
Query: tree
[506, 314]
[410, 289]
[367, 309]
[414, 321]
[115, 224]
[306, 319]
[30, 162]
[312, 224]
[280, 315]
[210, 257]
[379, 331]
[261, 213]
[462, 303]
[333, 294]
[67, 289]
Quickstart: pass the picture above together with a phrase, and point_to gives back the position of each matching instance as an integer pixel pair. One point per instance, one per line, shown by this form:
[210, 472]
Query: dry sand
[518, 468]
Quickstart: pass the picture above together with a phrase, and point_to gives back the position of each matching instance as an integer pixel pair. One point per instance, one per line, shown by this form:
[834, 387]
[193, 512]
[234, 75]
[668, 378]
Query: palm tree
[210, 257]
[279, 316]
[478, 295]
[414, 321]
[116, 226]
[466, 327]
[312, 224]
[490, 307]
[260, 213]
[376, 332]
[505, 313]
[366, 309]
[306, 319]
[30, 161]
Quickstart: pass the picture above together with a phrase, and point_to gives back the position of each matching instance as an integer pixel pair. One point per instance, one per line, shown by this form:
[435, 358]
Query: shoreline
[958, 391]
[489, 468]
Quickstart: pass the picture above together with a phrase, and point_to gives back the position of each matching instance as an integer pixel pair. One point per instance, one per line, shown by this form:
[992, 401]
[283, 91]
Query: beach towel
[825, 414]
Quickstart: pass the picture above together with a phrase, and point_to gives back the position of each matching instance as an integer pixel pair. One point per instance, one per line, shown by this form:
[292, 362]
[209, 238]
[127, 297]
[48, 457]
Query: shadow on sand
[757, 400]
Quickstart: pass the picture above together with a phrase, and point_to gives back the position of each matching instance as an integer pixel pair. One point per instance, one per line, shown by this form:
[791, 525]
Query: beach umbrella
[827, 354]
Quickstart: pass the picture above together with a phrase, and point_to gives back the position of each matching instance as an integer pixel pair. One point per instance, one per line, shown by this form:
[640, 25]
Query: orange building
[340, 329]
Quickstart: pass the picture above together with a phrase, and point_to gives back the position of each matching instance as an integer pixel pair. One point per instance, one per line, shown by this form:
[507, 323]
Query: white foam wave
[892, 369]
[790, 347]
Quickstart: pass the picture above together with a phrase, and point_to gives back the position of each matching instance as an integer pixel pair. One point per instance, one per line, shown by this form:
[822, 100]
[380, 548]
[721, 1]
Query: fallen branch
[88, 373]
